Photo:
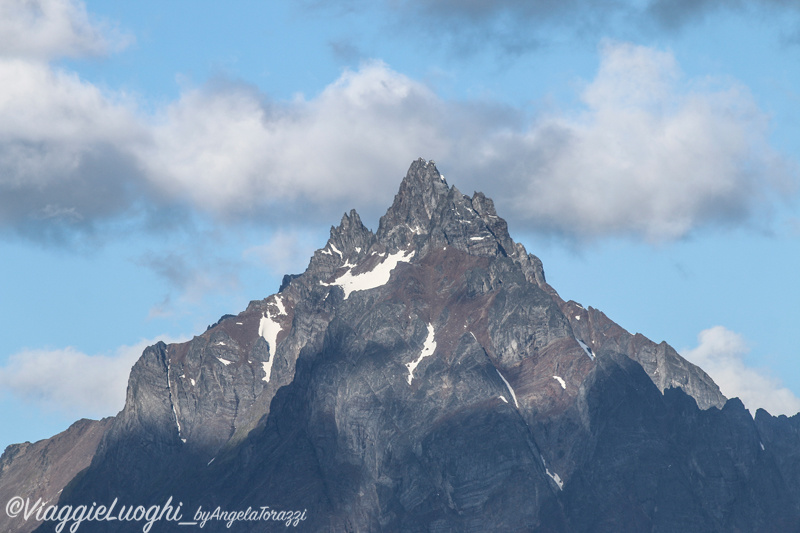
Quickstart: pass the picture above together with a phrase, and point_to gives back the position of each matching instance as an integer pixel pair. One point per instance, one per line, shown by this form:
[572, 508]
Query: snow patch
[555, 477]
[561, 381]
[427, 349]
[586, 349]
[508, 386]
[762, 446]
[211, 461]
[171, 400]
[478, 238]
[577, 317]
[192, 381]
[223, 361]
[279, 305]
[183, 440]
[335, 249]
[358, 249]
[268, 368]
[376, 277]
[503, 398]
[220, 343]
[269, 329]
[239, 323]
[177, 422]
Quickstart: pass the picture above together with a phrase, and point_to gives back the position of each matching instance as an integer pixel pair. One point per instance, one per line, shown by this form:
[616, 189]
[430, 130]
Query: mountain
[424, 377]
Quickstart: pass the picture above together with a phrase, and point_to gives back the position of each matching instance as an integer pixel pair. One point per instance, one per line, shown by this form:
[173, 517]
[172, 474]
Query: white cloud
[69, 381]
[57, 118]
[651, 155]
[64, 148]
[65, 145]
[720, 353]
[43, 29]
[229, 150]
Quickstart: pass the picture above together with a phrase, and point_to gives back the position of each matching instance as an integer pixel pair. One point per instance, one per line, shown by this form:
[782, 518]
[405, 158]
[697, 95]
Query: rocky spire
[421, 192]
[428, 213]
[351, 235]
[348, 242]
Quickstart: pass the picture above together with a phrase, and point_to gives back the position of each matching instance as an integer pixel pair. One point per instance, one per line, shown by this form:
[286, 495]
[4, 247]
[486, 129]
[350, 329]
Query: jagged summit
[426, 214]
[421, 192]
[426, 211]
[348, 242]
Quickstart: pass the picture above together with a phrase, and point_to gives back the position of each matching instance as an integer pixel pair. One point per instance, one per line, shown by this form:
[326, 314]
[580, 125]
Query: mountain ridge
[427, 377]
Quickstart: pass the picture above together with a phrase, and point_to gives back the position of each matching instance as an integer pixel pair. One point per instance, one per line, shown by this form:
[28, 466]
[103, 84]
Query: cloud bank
[720, 353]
[674, 14]
[44, 29]
[650, 154]
[65, 146]
[517, 26]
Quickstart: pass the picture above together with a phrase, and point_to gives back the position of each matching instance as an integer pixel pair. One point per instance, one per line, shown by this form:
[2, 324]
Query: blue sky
[164, 163]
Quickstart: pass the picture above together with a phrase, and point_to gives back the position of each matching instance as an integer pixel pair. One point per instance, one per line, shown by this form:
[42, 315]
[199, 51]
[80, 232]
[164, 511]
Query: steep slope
[41, 470]
[427, 378]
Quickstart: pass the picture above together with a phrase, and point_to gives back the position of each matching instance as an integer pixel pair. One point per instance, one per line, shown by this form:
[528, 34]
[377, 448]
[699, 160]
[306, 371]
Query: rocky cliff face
[427, 378]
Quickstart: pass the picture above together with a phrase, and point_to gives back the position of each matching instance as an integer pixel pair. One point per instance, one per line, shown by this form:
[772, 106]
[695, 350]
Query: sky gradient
[164, 163]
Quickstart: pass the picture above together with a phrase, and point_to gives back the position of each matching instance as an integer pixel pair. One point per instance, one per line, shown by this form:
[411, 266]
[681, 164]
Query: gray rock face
[427, 378]
[661, 362]
[429, 214]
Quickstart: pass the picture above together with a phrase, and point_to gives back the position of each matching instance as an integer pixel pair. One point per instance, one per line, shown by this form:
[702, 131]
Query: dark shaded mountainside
[425, 378]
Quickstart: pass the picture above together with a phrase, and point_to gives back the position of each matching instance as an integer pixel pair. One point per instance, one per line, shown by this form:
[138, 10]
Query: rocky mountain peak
[426, 377]
[421, 192]
[348, 242]
[350, 236]
[428, 214]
